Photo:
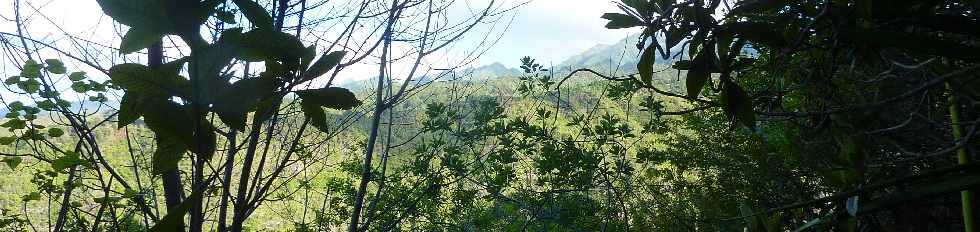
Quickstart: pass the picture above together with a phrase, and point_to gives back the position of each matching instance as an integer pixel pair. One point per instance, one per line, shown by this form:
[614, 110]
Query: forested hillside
[712, 115]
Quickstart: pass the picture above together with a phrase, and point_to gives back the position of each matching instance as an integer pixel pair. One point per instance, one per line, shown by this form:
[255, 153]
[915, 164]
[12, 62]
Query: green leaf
[145, 81]
[31, 70]
[316, 115]
[79, 87]
[619, 21]
[266, 44]
[150, 14]
[68, 160]
[7, 140]
[255, 13]
[129, 109]
[332, 97]
[168, 154]
[138, 38]
[12, 80]
[233, 105]
[645, 66]
[696, 79]
[167, 119]
[55, 132]
[324, 64]
[55, 66]
[12, 162]
[15, 105]
[737, 104]
[33, 196]
[30, 85]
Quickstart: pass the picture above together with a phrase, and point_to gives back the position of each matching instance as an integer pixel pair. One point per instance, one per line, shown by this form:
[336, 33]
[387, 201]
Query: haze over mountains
[620, 57]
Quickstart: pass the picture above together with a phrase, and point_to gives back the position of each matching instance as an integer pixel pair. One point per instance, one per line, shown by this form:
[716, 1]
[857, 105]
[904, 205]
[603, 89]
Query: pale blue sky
[549, 30]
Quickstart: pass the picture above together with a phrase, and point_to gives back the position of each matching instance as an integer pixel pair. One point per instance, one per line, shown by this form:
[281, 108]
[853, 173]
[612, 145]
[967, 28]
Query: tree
[855, 87]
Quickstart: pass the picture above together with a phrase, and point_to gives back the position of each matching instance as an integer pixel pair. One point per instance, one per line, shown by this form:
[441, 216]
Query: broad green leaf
[699, 72]
[645, 66]
[138, 38]
[323, 65]
[31, 70]
[33, 196]
[68, 160]
[255, 13]
[129, 109]
[266, 44]
[55, 132]
[332, 97]
[145, 81]
[167, 119]
[30, 86]
[55, 66]
[619, 21]
[149, 14]
[737, 104]
[15, 105]
[233, 105]
[13, 161]
[7, 140]
[76, 76]
[168, 153]
[315, 114]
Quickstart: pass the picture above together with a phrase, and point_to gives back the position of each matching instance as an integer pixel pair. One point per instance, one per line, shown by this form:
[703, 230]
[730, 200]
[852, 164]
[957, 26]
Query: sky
[553, 30]
[548, 30]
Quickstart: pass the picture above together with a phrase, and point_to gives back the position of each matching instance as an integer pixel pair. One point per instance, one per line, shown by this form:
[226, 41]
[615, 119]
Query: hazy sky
[549, 30]
[553, 30]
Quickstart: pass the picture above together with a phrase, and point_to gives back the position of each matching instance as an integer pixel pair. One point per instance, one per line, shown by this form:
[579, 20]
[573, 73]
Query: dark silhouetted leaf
[737, 104]
[265, 44]
[129, 109]
[168, 153]
[315, 114]
[645, 66]
[698, 74]
[138, 38]
[233, 105]
[255, 13]
[141, 79]
[12, 162]
[324, 64]
[332, 97]
[619, 21]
